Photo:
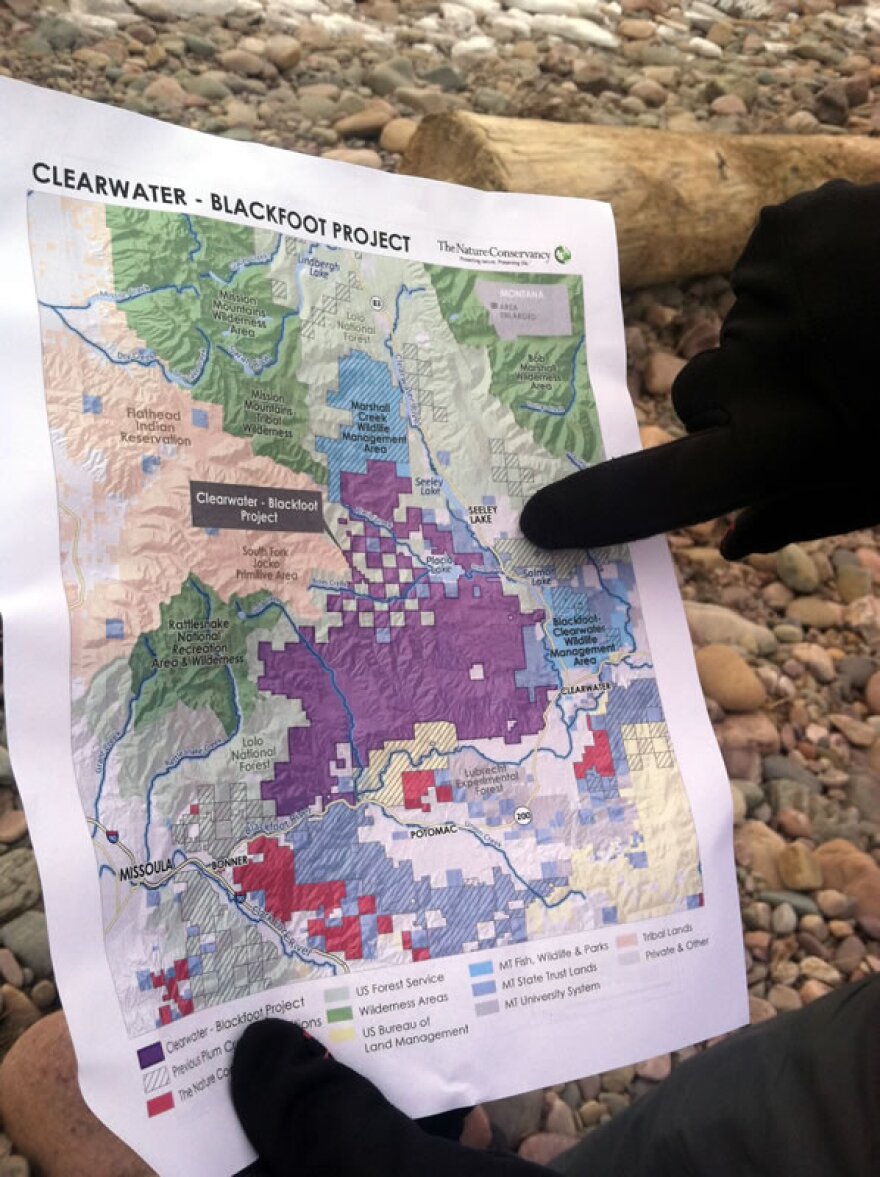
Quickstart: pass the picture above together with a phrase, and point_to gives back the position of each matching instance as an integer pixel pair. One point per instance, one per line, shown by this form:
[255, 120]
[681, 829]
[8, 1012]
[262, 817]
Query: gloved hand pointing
[782, 417]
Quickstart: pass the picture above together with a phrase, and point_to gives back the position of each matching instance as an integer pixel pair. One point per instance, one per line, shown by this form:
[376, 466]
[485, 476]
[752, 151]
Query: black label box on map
[255, 508]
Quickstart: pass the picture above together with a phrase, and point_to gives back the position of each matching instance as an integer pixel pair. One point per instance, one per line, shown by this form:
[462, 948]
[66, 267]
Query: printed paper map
[331, 711]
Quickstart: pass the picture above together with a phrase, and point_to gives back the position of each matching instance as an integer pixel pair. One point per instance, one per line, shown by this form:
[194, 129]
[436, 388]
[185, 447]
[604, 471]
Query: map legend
[627, 949]
[483, 985]
[340, 1017]
[151, 1060]
[162, 1103]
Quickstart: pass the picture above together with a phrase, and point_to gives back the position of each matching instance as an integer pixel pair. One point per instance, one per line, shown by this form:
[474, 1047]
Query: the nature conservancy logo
[492, 255]
[562, 254]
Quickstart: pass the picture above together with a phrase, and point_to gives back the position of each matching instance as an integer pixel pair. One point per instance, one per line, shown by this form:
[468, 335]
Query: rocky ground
[787, 645]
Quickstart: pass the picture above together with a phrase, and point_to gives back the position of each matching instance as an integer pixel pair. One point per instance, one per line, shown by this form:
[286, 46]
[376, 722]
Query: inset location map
[330, 710]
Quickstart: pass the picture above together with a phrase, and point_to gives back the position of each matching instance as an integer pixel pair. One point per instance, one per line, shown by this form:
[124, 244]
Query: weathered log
[684, 204]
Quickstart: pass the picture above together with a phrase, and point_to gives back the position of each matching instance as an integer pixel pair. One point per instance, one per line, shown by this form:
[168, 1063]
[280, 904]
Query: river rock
[660, 372]
[396, 135]
[727, 678]
[45, 1115]
[715, 624]
[860, 735]
[362, 156]
[544, 1147]
[816, 659]
[816, 969]
[853, 582]
[283, 51]
[748, 731]
[834, 904]
[19, 883]
[167, 95]
[848, 869]
[10, 969]
[13, 826]
[872, 693]
[516, 1117]
[559, 1117]
[802, 904]
[784, 919]
[795, 569]
[799, 868]
[812, 990]
[815, 613]
[757, 848]
[787, 768]
[27, 937]
[784, 999]
[367, 123]
[863, 792]
[19, 1012]
[850, 954]
[863, 616]
[240, 61]
[655, 1069]
[794, 823]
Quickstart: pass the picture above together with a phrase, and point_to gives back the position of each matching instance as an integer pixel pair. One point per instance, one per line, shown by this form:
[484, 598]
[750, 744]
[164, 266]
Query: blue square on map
[609, 915]
[150, 464]
[489, 500]
[373, 544]
[586, 818]
[144, 980]
[615, 813]
[443, 457]
[114, 628]
[693, 901]
[383, 636]
[478, 592]
[200, 418]
[153, 899]
[93, 404]
[450, 588]
[422, 589]
[212, 531]
[638, 860]
[192, 930]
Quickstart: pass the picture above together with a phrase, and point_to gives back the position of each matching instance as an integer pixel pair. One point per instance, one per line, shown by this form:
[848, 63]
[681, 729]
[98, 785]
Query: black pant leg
[795, 1097]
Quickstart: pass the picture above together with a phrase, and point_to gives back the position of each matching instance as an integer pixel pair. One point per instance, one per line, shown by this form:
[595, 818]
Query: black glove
[307, 1115]
[782, 416]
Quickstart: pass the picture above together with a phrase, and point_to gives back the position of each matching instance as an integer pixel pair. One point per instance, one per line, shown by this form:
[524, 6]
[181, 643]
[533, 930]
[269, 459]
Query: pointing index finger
[676, 485]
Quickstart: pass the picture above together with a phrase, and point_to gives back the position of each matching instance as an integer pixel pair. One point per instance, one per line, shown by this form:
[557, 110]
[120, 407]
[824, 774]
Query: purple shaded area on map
[378, 491]
[371, 683]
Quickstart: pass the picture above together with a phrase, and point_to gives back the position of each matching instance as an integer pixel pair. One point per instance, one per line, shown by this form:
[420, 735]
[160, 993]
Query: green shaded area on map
[198, 649]
[199, 295]
[543, 379]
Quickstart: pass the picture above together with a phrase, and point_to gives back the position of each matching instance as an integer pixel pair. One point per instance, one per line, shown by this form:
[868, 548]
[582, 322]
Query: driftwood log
[684, 204]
